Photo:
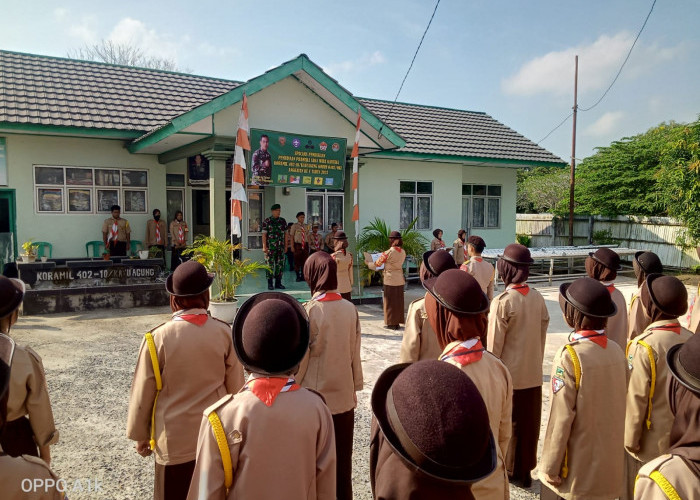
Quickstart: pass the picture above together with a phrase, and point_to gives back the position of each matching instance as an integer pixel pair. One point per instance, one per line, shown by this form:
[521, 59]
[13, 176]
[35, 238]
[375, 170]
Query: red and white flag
[356, 175]
[238, 181]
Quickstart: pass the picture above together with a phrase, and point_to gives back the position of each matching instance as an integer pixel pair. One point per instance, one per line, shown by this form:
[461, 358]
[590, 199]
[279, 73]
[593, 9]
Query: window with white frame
[481, 206]
[416, 202]
[86, 190]
[256, 216]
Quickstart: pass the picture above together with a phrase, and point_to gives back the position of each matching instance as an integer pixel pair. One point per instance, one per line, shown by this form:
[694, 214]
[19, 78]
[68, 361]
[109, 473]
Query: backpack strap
[222, 443]
[159, 385]
[577, 374]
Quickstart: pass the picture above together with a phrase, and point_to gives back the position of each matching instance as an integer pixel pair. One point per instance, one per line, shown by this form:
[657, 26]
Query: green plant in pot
[30, 250]
[217, 256]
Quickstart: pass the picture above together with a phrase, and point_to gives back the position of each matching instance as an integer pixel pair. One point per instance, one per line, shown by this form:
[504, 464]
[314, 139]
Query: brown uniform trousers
[198, 366]
[393, 285]
[617, 327]
[300, 235]
[493, 380]
[284, 451]
[458, 252]
[344, 263]
[25, 468]
[483, 271]
[694, 325]
[674, 469]
[637, 319]
[419, 340]
[580, 435]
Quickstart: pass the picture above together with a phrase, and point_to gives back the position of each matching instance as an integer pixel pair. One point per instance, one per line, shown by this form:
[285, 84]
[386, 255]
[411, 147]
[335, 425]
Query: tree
[542, 189]
[123, 54]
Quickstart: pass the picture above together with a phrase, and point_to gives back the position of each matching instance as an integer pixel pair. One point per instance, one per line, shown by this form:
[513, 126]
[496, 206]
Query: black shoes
[279, 285]
[269, 285]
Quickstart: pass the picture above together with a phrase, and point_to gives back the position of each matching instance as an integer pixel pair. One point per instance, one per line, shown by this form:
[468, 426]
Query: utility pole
[572, 178]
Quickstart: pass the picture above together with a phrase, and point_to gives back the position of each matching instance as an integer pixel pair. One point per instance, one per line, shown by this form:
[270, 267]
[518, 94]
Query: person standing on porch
[300, 240]
[343, 259]
[394, 280]
[603, 265]
[315, 240]
[116, 233]
[274, 242]
[328, 240]
[156, 235]
[178, 237]
[458, 251]
[437, 243]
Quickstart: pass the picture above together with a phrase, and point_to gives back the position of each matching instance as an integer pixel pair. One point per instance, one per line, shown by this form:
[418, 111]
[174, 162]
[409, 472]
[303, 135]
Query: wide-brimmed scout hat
[7, 350]
[271, 333]
[189, 279]
[517, 254]
[435, 420]
[438, 261]
[458, 291]
[394, 235]
[589, 296]
[11, 295]
[607, 257]
[649, 262]
[668, 294]
[684, 363]
[340, 235]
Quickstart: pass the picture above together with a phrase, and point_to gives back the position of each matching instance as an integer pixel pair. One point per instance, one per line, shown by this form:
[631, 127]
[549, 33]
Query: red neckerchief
[610, 287]
[115, 231]
[599, 338]
[524, 288]
[478, 259]
[195, 319]
[303, 236]
[398, 249]
[464, 355]
[266, 389]
[328, 297]
[158, 239]
[180, 234]
[669, 327]
[316, 239]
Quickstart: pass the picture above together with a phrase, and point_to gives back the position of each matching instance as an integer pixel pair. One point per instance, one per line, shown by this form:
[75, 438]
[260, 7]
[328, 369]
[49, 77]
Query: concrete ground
[90, 357]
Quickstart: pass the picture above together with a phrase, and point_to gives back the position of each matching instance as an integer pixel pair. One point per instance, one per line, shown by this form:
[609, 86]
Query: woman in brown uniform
[678, 471]
[458, 251]
[437, 243]
[394, 280]
[343, 259]
[603, 265]
[644, 264]
[186, 365]
[30, 421]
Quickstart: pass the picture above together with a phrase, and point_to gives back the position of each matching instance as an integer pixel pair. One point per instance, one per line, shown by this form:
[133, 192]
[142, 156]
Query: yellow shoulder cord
[650, 353]
[577, 373]
[159, 385]
[665, 486]
[221, 441]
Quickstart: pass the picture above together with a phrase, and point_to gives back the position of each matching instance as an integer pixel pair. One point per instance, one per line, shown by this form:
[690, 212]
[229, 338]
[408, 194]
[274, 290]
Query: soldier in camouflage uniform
[273, 237]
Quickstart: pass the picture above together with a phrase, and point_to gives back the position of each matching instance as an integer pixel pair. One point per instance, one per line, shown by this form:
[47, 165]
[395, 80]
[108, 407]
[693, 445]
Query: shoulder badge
[218, 404]
[557, 384]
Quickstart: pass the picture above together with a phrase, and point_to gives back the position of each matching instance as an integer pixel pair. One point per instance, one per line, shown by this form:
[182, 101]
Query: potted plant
[105, 255]
[30, 249]
[218, 257]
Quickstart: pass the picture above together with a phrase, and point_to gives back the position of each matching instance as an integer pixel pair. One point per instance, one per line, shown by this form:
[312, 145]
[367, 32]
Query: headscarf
[397, 242]
[450, 327]
[461, 233]
[321, 272]
[424, 273]
[598, 271]
[200, 301]
[340, 245]
[579, 321]
[654, 313]
[512, 273]
[436, 232]
[685, 432]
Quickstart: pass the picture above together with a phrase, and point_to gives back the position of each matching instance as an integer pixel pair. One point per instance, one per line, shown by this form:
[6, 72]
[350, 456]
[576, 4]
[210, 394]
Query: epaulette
[650, 467]
[220, 321]
[155, 328]
[32, 353]
[218, 404]
[318, 394]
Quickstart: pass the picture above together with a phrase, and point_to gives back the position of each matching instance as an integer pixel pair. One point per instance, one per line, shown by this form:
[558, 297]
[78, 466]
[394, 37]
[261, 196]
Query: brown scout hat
[607, 257]
[589, 296]
[517, 254]
[340, 235]
[11, 295]
[437, 261]
[271, 333]
[458, 291]
[667, 293]
[649, 262]
[684, 363]
[410, 399]
[189, 279]
[394, 235]
[477, 242]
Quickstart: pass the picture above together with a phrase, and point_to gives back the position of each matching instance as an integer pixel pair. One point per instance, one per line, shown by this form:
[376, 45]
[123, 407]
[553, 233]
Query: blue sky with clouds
[511, 59]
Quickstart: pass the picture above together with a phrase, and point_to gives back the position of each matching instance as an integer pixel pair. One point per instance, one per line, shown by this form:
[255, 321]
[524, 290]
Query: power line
[625, 61]
[555, 128]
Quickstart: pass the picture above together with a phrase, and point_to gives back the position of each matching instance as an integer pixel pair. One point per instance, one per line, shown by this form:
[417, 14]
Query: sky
[513, 60]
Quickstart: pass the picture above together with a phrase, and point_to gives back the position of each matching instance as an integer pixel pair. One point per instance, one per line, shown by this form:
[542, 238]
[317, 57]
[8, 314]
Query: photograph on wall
[79, 176]
[80, 200]
[135, 178]
[198, 170]
[283, 158]
[50, 200]
[48, 175]
[134, 201]
[106, 198]
[105, 177]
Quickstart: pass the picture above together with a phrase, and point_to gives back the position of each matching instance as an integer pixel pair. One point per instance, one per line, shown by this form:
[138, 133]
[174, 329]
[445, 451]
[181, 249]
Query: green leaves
[375, 238]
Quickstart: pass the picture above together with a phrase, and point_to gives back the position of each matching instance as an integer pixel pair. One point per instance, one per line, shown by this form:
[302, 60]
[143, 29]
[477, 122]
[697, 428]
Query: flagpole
[355, 186]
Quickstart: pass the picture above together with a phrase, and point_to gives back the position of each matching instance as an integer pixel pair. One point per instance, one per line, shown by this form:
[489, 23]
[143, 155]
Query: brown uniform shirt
[198, 366]
[617, 328]
[330, 242]
[419, 339]
[29, 395]
[175, 227]
[123, 228]
[672, 467]
[437, 244]
[586, 425]
[637, 320]
[332, 365]
[151, 236]
[493, 380]
[25, 468]
[458, 252]
[300, 233]
[483, 271]
[694, 325]
[344, 263]
[393, 266]
[284, 451]
[654, 441]
[516, 334]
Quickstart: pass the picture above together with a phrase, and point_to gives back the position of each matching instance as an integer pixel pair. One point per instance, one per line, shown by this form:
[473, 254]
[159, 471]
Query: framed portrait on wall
[198, 170]
[106, 198]
[79, 201]
[134, 201]
[50, 200]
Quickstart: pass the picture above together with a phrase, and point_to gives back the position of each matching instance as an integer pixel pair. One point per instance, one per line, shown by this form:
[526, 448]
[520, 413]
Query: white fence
[656, 234]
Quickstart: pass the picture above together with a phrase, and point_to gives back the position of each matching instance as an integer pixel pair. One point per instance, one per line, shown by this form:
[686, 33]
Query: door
[8, 227]
[200, 212]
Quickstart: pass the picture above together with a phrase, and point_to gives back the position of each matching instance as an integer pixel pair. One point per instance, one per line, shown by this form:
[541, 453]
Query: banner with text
[295, 160]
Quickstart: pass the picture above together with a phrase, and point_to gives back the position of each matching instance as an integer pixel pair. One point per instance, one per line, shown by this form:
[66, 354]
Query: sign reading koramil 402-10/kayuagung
[296, 160]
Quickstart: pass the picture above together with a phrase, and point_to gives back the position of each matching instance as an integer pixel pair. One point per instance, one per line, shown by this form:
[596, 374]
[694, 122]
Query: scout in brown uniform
[394, 281]
[457, 310]
[603, 265]
[582, 457]
[644, 264]
[299, 233]
[178, 237]
[315, 240]
[116, 233]
[678, 471]
[648, 421]
[277, 437]
[481, 269]
[437, 243]
[333, 366]
[328, 240]
[343, 260]
[419, 340]
[458, 251]
[156, 234]
[29, 421]
[430, 433]
[517, 330]
[196, 367]
[19, 475]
